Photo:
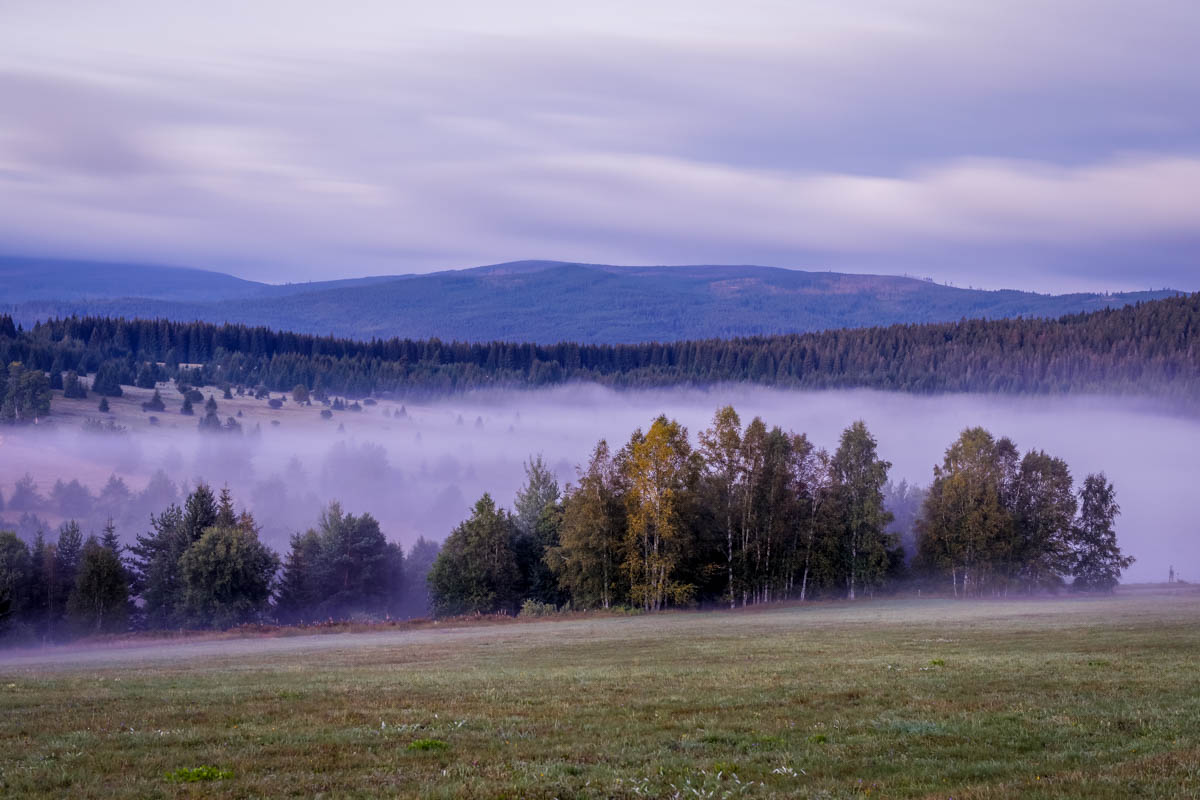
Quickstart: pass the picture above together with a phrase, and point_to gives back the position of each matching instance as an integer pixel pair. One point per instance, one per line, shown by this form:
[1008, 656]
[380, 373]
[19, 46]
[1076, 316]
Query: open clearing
[912, 698]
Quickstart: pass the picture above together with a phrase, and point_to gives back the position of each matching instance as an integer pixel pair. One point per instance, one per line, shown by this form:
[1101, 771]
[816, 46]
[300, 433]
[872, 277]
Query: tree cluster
[755, 514]
[995, 520]
[202, 565]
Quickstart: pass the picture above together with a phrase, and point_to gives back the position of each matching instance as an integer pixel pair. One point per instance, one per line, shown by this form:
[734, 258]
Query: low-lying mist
[418, 467]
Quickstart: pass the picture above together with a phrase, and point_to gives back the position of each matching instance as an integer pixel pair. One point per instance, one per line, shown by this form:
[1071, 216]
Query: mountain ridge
[534, 300]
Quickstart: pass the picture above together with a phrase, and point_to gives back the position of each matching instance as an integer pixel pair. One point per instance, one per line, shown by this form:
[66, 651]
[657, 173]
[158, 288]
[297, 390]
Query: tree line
[745, 515]
[754, 514]
[202, 565]
[1146, 348]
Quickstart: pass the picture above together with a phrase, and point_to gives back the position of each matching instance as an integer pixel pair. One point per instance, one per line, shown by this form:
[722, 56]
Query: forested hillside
[1149, 348]
[531, 301]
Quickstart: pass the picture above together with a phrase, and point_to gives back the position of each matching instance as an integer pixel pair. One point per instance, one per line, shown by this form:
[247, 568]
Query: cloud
[284, 141]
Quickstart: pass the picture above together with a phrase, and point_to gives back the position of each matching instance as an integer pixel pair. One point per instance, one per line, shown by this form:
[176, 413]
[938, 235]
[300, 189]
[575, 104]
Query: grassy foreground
[1091, 698]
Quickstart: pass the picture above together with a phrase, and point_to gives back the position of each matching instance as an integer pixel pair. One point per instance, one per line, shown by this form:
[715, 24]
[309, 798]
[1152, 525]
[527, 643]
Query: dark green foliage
[770, 517]
[1096, 560]
[73, 387]
[225, 578]
[146, 377]
[16, 573]
[343, 568]
[109, 378]
[103, 405]
[186, 407]
[155, 403]
[157, 554]
[1147, 348]
[858, 477]
[587, 560]
[99, 601]
[300, 589]
[994, 521]
[476, 571]
[26, 393]
[537, 517]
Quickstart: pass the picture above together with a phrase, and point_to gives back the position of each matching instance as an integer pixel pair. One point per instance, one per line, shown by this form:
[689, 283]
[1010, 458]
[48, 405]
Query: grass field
[1090, 698]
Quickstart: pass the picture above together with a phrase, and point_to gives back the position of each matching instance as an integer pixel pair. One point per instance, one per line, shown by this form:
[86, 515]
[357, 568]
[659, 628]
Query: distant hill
[536, 301]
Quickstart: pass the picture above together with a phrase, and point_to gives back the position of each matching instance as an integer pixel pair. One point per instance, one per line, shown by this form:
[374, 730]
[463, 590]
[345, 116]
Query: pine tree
[73, 388]
[155, 403]
[476, 570]
[300, 589]
[145, 377]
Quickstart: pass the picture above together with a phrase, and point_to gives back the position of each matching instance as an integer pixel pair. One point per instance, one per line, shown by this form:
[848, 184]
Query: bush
[427, 745]
[155, 403]
[73, 387]
[275, 402]
[536, 608]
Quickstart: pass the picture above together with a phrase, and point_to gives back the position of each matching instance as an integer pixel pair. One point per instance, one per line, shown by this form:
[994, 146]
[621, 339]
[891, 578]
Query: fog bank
[419, 469]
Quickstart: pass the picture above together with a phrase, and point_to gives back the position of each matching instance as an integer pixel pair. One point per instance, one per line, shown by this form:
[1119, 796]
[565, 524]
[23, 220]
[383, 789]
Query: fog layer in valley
[419, 470]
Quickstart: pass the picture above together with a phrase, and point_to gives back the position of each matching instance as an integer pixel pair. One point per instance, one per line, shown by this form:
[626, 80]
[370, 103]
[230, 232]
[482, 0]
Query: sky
[1050, 145]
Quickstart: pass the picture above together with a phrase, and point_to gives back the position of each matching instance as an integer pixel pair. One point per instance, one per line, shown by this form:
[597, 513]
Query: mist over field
[418, 470]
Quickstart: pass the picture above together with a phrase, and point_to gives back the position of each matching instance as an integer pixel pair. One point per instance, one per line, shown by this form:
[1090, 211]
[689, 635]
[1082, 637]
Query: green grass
[196, 774]
[1069, 698]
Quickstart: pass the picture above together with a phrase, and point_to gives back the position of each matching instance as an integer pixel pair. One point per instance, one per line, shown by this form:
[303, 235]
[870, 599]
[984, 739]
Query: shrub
[155, 403]
[536, 608]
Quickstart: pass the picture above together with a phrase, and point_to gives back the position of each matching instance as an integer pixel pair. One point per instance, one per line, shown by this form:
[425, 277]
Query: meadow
[1080, 697]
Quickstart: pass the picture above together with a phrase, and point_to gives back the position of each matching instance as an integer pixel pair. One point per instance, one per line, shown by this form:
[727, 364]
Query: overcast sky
[1046, 145]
